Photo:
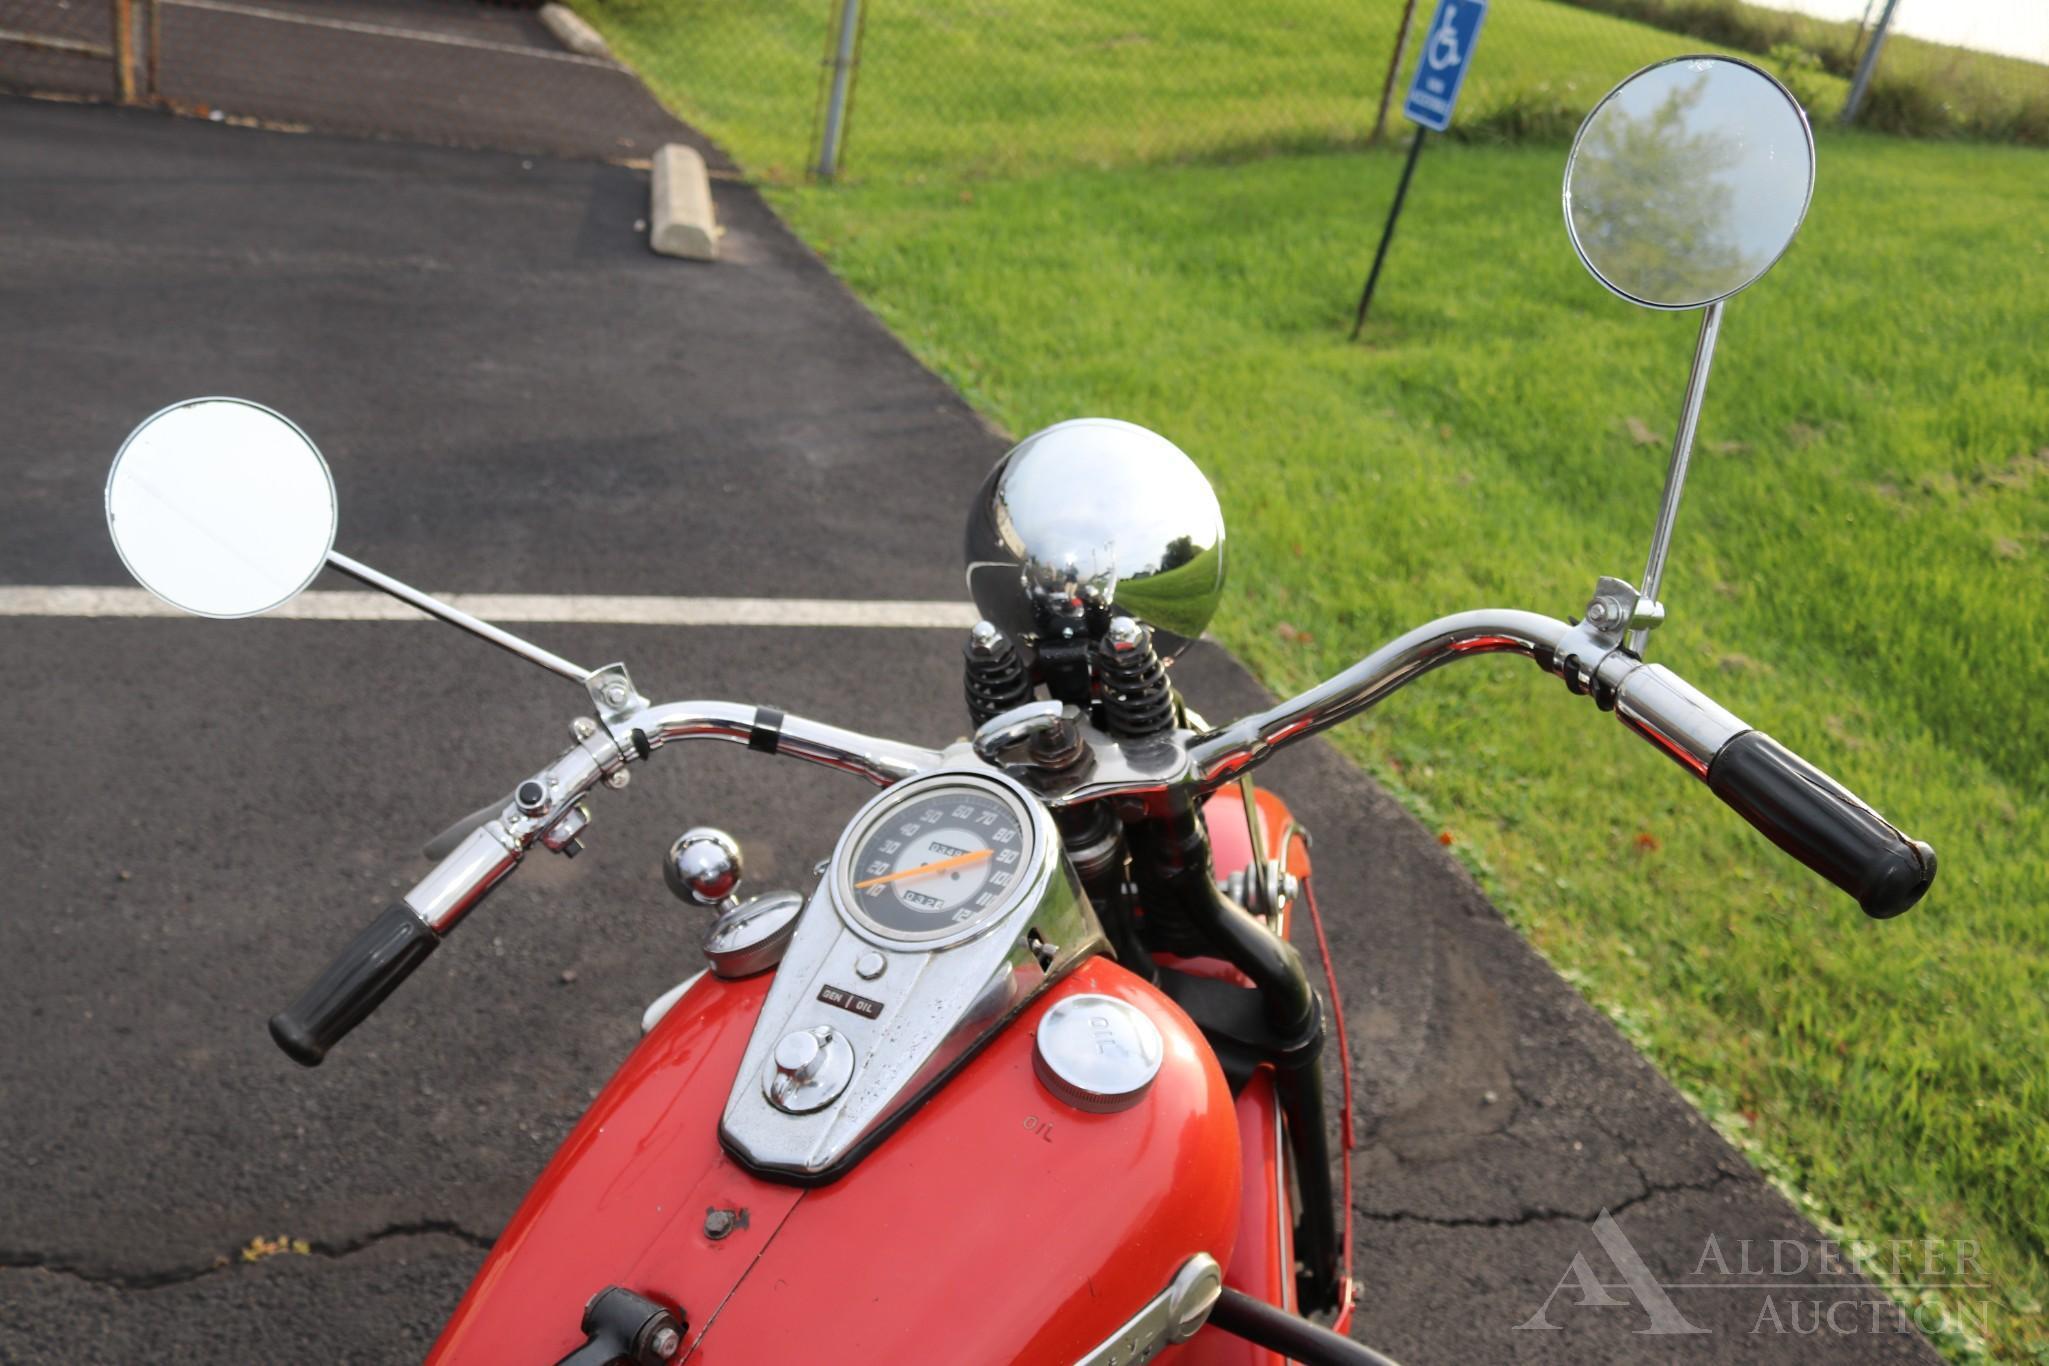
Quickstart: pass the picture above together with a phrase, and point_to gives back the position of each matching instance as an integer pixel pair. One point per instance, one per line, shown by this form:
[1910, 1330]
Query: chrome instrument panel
[909, 1007]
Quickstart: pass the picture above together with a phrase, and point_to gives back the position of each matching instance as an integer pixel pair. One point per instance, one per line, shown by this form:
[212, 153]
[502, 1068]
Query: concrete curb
[573, 33]
[681, 219]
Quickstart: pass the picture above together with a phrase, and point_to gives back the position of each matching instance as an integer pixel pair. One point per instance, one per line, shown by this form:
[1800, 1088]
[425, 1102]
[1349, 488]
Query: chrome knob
[703, 867]
[798, 1056]
[809, 1069]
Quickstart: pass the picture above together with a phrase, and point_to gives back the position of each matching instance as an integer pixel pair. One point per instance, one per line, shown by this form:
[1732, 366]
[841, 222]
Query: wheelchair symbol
[1444, 48]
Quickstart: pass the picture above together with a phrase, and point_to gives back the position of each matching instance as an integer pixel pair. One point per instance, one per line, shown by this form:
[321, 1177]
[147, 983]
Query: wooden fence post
[124, 51]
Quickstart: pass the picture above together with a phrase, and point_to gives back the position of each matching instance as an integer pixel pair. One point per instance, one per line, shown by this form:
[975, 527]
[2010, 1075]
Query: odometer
[941, 860]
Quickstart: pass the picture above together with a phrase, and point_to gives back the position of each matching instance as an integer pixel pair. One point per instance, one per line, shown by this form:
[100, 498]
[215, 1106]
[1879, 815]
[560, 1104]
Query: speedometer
[943, 859]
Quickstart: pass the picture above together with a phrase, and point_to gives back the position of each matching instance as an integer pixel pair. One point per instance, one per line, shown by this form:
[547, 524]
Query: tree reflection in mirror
[1689, 181]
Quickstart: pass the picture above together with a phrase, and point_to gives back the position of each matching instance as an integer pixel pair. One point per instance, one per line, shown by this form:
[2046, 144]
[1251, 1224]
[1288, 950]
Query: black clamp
[624, 1327]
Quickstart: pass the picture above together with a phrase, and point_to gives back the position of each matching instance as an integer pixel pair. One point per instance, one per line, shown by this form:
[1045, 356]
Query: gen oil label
[847, 1000]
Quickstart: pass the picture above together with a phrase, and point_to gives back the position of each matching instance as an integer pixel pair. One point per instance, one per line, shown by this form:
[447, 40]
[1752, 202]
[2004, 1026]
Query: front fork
[1252, 1000]
[1259, 846]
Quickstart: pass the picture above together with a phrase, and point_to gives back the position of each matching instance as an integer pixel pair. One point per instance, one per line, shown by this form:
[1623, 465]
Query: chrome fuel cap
[809, 1070]
[1097, 1053]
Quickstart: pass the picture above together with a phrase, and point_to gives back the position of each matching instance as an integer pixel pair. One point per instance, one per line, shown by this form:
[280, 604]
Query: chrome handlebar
[1221, 755]
[1649, 698]
[1070, 763]
[881, 762]
[542, 805]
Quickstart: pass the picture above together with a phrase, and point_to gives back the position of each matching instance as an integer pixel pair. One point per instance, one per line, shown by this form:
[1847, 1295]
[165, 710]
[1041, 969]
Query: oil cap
[1097, 1053]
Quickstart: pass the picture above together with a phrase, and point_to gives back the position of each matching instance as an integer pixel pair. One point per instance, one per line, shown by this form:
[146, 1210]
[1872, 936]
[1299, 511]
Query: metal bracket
[620, 1326]
[613, 694]
[1048, 734]
[1613, 610]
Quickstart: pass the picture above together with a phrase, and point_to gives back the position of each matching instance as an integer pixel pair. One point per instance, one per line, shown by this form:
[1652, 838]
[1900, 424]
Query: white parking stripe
[599, 610]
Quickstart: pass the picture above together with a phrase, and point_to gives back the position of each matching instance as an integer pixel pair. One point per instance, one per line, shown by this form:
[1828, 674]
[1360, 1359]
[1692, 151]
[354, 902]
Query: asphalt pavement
[516, 396]
[452, 72]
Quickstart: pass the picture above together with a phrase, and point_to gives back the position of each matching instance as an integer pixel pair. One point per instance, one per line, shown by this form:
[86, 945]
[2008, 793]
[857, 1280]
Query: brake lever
[444, 844]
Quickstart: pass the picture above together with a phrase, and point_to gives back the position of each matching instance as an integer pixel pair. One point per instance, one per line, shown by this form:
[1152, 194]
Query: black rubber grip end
[353, 985]
[1816, 820]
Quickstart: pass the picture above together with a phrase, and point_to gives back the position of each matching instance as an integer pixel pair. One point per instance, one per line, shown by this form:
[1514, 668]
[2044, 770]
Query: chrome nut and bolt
[984, 638]
[1125, 633]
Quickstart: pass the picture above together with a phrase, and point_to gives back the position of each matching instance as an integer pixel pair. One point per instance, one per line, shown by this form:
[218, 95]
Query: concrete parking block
[573, 33]
[682, 222]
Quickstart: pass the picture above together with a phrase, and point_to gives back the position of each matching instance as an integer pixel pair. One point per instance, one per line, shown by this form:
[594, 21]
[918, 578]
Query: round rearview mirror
[221, 507]
[1688, 181]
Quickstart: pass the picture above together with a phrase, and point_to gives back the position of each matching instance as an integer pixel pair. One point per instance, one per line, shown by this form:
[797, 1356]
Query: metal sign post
[1867, 64]
[1433, 93]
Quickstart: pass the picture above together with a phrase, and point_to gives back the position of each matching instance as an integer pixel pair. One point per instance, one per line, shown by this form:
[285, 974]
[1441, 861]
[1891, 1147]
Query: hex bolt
[615, 692]
[718, 1223]
[666, 1342]
[583, 728]
[618, 778]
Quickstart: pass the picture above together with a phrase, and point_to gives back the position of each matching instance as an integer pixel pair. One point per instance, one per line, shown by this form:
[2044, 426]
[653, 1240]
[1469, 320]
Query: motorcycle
[1039, 1017]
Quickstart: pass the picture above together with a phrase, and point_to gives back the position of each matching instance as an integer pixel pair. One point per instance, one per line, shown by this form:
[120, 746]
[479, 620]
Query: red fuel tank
[996, 1225]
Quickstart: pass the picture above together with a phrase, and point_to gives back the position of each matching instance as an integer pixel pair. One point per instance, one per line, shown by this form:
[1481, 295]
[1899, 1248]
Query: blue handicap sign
[1447, 52]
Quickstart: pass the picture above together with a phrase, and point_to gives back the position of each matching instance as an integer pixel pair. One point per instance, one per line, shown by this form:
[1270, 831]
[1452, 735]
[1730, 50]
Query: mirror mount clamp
[613, 694]
[1615, 608]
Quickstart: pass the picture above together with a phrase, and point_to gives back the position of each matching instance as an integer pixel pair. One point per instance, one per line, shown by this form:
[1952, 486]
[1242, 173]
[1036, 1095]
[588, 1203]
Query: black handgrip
[354, 984]
[1818, 821]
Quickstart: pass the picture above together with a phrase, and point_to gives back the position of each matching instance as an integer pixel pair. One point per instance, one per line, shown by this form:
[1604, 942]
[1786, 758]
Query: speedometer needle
[939, 867]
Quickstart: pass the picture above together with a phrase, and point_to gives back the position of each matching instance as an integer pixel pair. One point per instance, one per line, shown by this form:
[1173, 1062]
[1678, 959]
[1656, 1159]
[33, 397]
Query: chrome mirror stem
[1675, 473]
[455, 616]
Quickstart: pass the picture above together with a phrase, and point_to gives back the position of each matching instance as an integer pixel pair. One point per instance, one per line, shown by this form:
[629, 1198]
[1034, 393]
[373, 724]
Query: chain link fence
[84, 49]
[964, 88]
[456, 72]
[906, 89]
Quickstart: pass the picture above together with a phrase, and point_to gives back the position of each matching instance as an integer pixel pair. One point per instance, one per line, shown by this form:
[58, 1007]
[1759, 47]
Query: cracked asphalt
[516, 396]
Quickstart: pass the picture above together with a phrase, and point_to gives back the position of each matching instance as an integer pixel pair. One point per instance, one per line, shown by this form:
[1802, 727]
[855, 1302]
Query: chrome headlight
[1093, 518]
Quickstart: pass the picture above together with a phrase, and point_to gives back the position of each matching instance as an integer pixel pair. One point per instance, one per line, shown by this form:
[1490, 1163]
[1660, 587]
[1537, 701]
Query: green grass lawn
[969, 88]
[1861, 567]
